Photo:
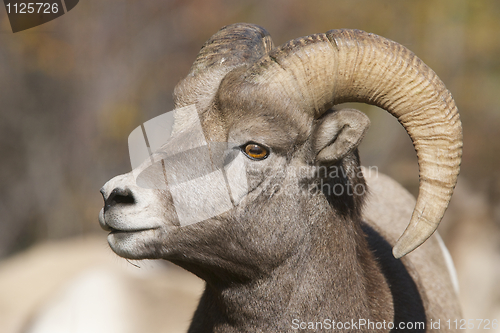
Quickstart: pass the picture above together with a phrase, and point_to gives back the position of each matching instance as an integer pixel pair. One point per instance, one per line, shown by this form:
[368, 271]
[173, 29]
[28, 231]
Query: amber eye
[255, 151]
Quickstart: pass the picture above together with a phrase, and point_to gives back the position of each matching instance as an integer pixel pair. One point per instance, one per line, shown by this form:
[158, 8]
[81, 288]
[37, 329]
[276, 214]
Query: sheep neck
[334, 276]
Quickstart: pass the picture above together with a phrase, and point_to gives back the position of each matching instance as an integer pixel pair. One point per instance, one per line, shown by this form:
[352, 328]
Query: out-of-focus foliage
[72, 90]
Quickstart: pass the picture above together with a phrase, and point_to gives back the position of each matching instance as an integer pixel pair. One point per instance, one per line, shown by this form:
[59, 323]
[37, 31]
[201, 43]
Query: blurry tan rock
[79, 285]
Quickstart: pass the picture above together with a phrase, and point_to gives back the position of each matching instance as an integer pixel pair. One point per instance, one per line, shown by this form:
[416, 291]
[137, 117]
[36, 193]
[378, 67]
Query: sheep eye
[255, 151]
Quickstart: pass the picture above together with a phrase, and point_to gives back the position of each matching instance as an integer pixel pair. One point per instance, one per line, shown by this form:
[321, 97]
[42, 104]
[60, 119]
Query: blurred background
[73, 89]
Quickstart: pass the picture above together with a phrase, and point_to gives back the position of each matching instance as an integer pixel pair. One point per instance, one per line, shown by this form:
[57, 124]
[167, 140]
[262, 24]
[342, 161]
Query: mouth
[110, 225]
[114, 231]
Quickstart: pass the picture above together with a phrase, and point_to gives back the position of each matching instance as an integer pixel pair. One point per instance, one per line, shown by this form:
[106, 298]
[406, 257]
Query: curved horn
[232, 46]
[340, 66]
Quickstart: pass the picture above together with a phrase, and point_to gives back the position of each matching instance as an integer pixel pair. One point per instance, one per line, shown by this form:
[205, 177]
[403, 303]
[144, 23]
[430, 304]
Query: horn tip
[414, 236]
[398, 251]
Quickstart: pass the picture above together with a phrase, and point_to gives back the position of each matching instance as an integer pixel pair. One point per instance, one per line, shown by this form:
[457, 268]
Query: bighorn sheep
[286, 257]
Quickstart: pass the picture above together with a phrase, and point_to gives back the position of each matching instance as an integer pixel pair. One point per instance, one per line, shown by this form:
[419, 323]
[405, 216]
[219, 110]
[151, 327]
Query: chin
[135, 245]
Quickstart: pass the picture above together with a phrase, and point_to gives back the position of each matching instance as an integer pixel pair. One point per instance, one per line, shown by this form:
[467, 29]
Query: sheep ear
[338, 133]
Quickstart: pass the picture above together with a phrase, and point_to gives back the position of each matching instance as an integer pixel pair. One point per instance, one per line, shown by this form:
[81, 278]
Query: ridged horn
[340, 66]
[232, 46]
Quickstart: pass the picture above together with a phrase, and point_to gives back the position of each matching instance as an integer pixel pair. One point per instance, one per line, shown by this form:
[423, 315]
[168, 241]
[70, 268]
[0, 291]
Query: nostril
[119, 196]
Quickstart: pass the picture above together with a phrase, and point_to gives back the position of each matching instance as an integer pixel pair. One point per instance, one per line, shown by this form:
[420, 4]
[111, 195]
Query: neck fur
[332, 276]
